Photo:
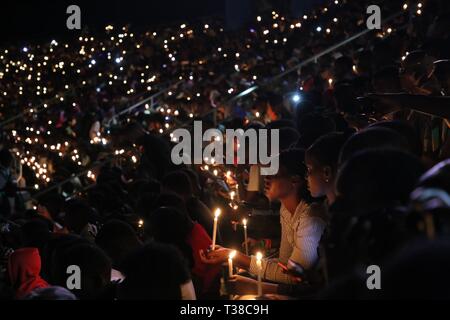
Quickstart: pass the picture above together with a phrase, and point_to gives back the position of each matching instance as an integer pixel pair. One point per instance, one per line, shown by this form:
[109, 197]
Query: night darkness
[34, 20]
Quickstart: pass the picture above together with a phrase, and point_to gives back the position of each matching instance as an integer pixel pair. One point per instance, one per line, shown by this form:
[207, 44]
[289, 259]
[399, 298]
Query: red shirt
[209, 275]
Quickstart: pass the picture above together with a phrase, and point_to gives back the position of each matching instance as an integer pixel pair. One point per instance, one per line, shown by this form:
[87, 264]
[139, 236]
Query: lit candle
[259, 265]
[232, 194]
[244, 222]
[230, 262]
[216, 219]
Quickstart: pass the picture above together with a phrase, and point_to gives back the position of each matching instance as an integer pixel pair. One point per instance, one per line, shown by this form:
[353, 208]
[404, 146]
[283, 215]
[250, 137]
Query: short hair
[153, 272]
[118, 239]
[95, 268]
[372, 138]
[375, 179]
[327, 148]
[404, 129]
[77, 215]
[178, 182]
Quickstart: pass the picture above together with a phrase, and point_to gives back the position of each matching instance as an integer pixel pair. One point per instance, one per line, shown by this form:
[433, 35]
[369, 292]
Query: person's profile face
[278, 186]
[316, 181]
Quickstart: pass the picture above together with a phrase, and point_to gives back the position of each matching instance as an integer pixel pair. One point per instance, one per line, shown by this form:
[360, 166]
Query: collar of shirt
[290, 219]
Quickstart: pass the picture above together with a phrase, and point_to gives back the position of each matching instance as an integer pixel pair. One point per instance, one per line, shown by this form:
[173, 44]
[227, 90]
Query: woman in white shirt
[302, 225]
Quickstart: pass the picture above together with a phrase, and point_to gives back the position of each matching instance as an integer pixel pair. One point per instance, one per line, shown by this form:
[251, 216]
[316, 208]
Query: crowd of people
[86, 177]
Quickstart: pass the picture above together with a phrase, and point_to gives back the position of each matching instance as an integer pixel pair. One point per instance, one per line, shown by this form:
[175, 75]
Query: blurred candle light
[230, 262]
[244, 222]
[259, 266]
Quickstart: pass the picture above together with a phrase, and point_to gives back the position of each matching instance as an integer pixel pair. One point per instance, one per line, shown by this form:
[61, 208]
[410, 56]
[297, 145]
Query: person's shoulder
[318, 210]
[199, 233]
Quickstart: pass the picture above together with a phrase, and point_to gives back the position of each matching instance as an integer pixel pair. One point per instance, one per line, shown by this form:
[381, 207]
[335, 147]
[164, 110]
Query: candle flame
[232, 254]
[259, 256]
[217, 213]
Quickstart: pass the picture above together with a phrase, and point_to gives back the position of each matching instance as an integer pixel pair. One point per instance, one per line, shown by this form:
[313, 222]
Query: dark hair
[95, 269]
[178, 182]
[372, 180]
[35, 233]
[313, 126]
[326, 149]
[154, 272]
[77, 215]
[288, 138]
[293, 161]
[54, 203]
[118, 239]
[372, 138]
[404, 129]
[171, 226]
[193, 177]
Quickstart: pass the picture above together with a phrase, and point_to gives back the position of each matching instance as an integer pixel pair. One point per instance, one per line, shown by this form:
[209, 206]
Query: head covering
[24, 266]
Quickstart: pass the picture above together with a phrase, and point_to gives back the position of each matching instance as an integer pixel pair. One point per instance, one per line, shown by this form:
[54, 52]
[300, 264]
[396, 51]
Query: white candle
[216, 219]
[259, 266]
[230, 262]
[244, 222]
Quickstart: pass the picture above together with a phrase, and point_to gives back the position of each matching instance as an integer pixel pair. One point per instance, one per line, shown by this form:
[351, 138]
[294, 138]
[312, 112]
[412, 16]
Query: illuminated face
[280, 186]
[318, 180]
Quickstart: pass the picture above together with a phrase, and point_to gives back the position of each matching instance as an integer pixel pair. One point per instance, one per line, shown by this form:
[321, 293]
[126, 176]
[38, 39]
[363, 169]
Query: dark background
[26, 20]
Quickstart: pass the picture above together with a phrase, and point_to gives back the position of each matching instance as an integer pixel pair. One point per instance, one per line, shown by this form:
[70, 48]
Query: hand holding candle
[216, 219]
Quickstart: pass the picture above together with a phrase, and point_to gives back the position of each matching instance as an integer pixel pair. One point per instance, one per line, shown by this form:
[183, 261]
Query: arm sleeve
[304, 254]
[270, 271]
[285, 246]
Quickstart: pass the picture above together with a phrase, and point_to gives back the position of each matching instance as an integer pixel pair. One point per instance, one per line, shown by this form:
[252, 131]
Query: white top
[300, 236]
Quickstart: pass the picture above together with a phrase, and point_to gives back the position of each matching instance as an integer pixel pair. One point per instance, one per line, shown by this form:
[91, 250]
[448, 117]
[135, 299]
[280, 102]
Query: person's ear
[327, 174]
